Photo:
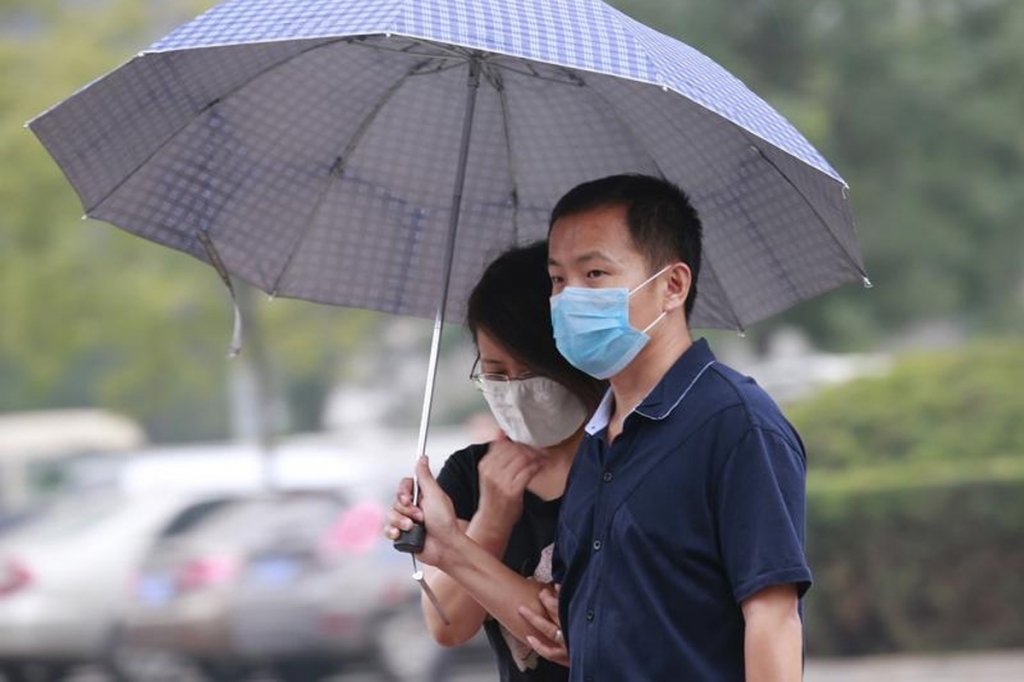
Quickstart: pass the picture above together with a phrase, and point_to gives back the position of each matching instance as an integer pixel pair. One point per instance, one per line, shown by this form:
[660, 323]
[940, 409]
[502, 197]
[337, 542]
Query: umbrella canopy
[313, 145]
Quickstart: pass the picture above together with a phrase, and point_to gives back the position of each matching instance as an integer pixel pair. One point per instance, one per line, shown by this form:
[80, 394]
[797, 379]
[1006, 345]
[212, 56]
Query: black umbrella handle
[412, 541]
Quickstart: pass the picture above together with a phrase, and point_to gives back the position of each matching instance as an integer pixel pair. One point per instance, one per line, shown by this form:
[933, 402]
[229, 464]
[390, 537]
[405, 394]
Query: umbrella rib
[173, 136]
[622, 120]
[709, 265]
[442, 53]
[618, 115]
[338, 169]
[814, 209]
[506, 121]
[533, 73]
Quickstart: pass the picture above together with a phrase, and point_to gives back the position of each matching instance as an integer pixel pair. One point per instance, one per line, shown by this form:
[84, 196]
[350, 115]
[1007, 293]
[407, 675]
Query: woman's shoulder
[468, 457]
[460, 481]
[462, 465]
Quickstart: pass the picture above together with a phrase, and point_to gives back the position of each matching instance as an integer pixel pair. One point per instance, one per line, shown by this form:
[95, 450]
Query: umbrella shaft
[453, 226]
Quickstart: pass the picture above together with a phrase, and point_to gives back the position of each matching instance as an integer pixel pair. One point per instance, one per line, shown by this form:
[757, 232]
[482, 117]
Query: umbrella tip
[85, 216]
[867, 283]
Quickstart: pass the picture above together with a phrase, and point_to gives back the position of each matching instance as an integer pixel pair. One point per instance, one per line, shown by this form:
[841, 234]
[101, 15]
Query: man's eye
[592, 274]
[557, 279]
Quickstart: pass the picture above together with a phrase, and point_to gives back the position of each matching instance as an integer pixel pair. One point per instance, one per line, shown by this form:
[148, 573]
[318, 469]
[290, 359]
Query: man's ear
[677, 286]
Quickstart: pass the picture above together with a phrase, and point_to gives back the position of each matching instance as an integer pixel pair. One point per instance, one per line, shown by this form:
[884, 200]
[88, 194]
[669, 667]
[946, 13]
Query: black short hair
[663, 224]
[512, 302]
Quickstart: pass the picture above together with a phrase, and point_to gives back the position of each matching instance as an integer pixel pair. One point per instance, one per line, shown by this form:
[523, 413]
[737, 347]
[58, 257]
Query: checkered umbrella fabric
[314, 144]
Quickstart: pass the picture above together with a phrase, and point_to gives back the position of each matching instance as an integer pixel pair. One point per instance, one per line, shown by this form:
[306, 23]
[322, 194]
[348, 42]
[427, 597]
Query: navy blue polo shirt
[697, 505]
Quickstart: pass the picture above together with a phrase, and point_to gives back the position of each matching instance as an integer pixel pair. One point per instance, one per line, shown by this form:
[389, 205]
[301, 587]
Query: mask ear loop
[640, 286]
[650, 279]
[658, 319]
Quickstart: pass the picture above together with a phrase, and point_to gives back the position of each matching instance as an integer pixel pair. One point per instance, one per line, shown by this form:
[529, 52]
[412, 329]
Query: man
[680, 538]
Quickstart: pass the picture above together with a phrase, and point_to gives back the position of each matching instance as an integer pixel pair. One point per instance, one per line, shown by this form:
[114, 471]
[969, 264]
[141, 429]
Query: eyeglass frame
[478, 378]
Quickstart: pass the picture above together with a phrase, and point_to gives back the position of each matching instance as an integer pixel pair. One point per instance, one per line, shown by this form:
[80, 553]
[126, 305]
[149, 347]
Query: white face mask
[538, 411]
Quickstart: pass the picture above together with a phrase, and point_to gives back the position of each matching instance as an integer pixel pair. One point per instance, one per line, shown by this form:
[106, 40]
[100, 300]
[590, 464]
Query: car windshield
[253, 523]
[68, 518]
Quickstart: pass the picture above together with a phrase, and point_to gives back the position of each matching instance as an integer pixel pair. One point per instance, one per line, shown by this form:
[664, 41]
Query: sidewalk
[1000, 666]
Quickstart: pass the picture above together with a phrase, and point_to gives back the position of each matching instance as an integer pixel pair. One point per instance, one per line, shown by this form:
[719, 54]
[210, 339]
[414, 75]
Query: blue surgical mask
[592, 329]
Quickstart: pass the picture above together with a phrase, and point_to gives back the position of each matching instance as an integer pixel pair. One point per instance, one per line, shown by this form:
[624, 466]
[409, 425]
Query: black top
[532, 536]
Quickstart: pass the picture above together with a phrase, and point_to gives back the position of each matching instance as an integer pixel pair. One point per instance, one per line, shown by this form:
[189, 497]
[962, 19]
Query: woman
[506, 494]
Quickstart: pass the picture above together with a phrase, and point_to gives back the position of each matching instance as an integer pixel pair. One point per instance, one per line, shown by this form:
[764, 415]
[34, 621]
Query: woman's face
[494, 359]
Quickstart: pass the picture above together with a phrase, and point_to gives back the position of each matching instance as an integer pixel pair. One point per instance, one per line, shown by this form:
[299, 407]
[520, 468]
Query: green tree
[918, 105]
[90, 315]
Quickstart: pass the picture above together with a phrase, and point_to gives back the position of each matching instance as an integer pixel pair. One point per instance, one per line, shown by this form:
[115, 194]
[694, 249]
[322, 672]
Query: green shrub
[905, 564]
[916, 505]
[954, 406]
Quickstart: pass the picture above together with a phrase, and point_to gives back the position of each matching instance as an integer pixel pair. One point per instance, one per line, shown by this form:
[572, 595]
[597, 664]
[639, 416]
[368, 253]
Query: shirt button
[597, 545]
[590, 614]
[608, 477]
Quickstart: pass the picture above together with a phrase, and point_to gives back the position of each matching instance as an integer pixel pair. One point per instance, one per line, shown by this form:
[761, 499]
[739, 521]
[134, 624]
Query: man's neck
[631, 385]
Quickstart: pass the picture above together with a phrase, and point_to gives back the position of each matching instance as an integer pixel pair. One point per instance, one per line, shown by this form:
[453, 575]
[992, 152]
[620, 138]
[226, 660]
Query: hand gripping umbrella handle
[411, 541]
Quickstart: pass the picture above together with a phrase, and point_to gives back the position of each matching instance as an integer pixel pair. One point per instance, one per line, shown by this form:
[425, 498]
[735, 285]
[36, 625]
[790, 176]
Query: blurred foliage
[914, 565]
[917, 104]
[90, 315]
[916, 505]
[955, 408]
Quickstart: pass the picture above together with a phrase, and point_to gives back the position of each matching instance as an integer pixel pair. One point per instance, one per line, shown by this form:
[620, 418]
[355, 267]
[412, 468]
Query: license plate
[155, 590]
[275, 571]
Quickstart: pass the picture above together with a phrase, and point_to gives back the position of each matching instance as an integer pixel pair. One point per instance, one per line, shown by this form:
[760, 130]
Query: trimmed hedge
[916, 567]
[966, 404]
[916, 506]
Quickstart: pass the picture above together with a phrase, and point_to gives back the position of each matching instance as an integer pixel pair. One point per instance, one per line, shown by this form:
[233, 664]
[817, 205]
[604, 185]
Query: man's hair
[663, 225]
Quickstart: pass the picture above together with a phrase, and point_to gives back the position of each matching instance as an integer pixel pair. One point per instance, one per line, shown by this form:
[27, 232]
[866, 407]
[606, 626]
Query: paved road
[986, 667]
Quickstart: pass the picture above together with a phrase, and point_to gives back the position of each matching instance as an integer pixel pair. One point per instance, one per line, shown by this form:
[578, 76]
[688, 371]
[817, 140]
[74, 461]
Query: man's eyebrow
[588, 257]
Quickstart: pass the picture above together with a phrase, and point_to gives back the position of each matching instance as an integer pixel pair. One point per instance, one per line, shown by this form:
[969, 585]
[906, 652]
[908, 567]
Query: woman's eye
[593, 274]
[557, 279]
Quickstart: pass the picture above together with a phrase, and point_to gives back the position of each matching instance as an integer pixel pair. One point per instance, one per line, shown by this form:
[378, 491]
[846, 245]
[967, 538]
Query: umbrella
[377, 153]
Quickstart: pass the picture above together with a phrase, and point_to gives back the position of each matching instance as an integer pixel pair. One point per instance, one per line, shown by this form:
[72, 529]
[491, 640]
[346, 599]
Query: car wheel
[126, 662]
[32, 672]
[404, 649]
[223, 671]
[304, 670]
[13, 672]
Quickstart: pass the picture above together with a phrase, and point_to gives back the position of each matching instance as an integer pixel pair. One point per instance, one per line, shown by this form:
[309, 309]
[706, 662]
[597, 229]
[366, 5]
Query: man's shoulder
[734, 395]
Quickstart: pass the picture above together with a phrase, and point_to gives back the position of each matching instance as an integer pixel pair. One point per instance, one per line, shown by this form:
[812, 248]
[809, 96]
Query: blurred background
[166, 513]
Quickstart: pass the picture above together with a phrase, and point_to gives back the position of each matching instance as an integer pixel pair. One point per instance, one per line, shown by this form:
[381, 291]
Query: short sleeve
[760, 507]
[459, 480]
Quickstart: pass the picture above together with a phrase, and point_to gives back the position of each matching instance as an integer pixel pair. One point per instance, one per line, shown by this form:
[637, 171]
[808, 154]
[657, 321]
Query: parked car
[63, 575]
[299, 583]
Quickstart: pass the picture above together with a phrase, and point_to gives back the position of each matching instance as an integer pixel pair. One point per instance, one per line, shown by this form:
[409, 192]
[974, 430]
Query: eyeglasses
[479, 378]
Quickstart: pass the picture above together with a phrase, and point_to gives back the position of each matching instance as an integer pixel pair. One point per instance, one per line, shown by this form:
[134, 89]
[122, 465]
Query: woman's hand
[552, 645]
[435, 512]
[504, 473]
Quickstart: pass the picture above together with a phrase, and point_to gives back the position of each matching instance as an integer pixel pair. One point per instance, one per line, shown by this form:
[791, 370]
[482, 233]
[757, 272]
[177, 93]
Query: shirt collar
[602, 415]
[668, 392]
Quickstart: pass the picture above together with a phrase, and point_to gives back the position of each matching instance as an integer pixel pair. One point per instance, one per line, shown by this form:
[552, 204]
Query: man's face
[594, 250]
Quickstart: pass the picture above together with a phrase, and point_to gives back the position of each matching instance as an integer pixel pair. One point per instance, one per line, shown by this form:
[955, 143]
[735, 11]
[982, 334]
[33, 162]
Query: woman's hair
[512, 303]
